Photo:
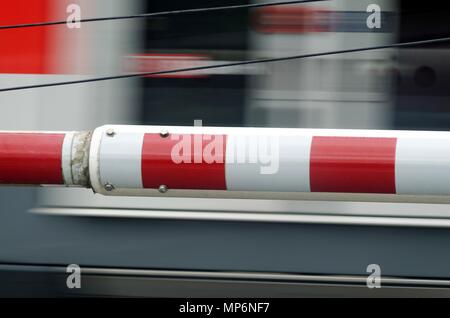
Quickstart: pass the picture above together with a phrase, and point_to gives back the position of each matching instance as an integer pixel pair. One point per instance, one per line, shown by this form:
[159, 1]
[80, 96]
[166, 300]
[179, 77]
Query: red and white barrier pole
[44, 158]
[230, 162]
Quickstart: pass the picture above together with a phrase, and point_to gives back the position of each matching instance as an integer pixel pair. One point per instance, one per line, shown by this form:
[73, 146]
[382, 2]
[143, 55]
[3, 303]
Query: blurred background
[404, 88]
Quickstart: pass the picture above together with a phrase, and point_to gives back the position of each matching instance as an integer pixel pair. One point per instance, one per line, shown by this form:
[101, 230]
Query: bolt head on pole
[162, 188]
[164, 133]
[109, 187]
[110, 132]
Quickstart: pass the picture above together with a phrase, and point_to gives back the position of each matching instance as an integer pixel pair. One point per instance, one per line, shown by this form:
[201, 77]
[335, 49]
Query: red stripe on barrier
[184, 161]
[353, 164]
[31, 158]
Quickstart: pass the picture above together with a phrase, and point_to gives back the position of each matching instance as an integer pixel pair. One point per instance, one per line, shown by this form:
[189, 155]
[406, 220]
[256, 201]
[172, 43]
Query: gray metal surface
[224, 246]
[51, 281]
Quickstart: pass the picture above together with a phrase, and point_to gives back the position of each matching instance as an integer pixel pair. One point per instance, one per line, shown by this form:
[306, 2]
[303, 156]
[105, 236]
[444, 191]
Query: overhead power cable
[257, 61]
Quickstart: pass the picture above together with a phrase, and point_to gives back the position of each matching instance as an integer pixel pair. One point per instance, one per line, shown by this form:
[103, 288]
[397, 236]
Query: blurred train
[179, 247]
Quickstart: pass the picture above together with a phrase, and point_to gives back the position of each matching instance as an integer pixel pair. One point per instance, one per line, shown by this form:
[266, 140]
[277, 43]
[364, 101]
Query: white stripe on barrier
[267, 163]
[66, 159]
[120, 158]
[422, 166]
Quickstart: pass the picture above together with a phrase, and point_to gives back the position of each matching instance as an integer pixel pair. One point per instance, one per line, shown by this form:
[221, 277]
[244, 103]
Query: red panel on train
[23, 50]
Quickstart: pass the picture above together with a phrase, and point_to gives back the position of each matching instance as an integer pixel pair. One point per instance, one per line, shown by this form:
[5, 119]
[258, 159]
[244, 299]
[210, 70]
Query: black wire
[198, 68]
[163, 13]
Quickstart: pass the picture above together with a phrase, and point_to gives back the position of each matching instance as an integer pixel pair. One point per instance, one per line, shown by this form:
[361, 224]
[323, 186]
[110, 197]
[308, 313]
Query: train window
[216, 96]
[422, 96]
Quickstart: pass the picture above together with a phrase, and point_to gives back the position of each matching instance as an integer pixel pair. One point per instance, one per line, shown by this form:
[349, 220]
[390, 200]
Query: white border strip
[66, 158]
[247, 217]
[236, 275]
[94, 154]
[247, 131]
